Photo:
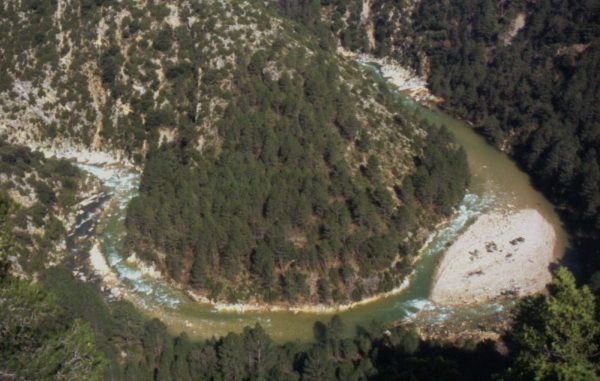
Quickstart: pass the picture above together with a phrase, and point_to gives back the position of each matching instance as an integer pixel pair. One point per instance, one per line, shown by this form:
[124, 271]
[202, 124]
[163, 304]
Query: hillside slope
[45, 194]
[525, 73]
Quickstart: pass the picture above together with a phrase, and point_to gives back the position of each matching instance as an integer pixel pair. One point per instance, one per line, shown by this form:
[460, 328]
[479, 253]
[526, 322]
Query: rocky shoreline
[402, 78]
[501, 254]
[298, 308]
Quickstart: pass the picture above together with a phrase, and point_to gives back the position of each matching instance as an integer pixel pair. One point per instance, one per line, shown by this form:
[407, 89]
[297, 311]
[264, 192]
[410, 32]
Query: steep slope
[38, 340]
[525, 73]
[45, 193]
[274, 169]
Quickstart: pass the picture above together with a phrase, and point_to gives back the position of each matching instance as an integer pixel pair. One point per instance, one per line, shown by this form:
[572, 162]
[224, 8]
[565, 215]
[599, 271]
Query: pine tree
[555, 336]
[318, 365]
[231, 357]
[259, 351]
[36, 343]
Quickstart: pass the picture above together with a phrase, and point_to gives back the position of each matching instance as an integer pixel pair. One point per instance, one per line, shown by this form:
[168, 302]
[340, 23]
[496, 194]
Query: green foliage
[276, 199]
[45, 194]
[441, 174]
[110, 66]
[81, 301]
[250, 146]
[534, 94]
[52, 184]
[252, 355]
[36, 341]
[280, 200]
[555, 337]
[6, 237]
[163, 40]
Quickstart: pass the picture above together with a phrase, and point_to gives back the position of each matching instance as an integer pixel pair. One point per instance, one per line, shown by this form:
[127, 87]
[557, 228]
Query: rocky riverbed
[500, 254]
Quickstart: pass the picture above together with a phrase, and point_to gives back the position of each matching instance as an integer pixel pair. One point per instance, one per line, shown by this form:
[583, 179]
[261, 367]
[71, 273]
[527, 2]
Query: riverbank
[299, 308]
[460, 329]
[501, 254]
[404, 79]
[113, 271]
[315, 309]
[466, 282]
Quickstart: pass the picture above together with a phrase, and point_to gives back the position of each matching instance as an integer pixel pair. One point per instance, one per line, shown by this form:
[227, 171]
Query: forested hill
[274, 169]
[526, 73]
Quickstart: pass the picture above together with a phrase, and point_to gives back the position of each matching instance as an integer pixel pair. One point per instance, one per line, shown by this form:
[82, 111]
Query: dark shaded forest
[536, 97]
[533, 92]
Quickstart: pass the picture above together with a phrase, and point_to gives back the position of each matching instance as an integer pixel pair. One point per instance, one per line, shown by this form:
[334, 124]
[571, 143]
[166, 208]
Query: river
[497, 182]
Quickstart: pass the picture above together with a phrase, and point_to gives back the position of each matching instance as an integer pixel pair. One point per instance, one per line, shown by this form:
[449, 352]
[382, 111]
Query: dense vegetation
[79, 335]
[556, 337]
[531, 88]
[38, 341]
[280, 204]
[263, 167]
[535, 95]
[46, 189]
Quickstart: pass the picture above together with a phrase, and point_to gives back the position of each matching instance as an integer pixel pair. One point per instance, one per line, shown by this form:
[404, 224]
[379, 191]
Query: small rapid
[140, 283]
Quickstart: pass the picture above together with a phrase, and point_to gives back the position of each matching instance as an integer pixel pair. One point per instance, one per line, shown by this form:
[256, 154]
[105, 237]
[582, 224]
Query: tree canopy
[36, 342]
[556, 337]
